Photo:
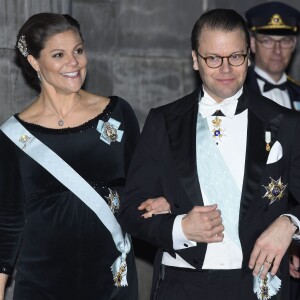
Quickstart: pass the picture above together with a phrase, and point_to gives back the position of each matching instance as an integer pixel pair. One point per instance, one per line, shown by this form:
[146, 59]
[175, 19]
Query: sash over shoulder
[63, 172]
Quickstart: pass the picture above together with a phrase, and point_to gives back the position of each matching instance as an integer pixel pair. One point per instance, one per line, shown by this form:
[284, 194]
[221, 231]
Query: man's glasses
[269, 43]
[215, 61]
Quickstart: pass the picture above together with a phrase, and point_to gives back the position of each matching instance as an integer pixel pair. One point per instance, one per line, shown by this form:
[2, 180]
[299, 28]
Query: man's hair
[219, 19]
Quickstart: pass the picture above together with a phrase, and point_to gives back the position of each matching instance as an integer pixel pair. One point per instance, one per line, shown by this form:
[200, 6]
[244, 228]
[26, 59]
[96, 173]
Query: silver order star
[113, 200]
[275, 190]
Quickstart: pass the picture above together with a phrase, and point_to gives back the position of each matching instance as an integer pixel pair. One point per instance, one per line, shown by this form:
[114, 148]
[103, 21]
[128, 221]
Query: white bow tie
[208, 107]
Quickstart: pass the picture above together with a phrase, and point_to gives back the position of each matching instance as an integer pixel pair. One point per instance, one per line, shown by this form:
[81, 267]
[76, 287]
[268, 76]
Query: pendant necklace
[61, 121]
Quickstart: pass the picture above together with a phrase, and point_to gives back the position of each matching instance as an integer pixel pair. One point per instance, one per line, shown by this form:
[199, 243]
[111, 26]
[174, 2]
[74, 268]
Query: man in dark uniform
[274, 27]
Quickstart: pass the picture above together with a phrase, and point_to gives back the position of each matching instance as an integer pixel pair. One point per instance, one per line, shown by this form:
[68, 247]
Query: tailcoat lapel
[255, 160]
[260, 120]
[181, 127]
[251, 81]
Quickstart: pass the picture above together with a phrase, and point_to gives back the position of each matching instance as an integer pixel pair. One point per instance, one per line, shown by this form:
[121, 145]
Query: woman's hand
[155, 206]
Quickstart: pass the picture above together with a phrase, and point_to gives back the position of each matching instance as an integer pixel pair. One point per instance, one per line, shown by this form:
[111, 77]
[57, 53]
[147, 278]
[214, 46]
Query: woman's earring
[39, 76]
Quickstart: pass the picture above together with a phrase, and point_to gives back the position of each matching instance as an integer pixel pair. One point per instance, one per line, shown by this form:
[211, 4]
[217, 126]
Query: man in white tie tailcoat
[222, 158]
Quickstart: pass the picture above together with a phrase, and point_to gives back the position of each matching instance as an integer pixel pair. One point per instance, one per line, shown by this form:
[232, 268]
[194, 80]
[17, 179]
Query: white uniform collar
[266, 76]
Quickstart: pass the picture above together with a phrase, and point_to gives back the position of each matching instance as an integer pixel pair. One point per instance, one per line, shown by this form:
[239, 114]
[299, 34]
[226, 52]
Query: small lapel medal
[24, 139]
[268, 140]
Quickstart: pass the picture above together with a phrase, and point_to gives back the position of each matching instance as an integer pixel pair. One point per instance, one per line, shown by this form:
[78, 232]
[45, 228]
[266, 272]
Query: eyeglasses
[268, 43]
[215, 61]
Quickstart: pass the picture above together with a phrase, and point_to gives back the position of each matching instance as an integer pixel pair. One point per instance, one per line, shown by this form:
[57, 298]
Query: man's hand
[271, 246]
[295, 260]
[203, 224]
[155, 206]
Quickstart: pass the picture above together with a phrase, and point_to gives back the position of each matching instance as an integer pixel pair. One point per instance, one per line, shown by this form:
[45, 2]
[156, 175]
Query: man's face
[226, 80]
[273, 60]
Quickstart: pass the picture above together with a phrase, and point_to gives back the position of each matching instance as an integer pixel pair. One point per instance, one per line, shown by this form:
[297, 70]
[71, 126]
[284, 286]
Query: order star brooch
[274, 190]
[113, 200]
[109, 131]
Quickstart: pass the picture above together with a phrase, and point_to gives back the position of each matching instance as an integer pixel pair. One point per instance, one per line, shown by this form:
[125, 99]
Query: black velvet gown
[64, 251]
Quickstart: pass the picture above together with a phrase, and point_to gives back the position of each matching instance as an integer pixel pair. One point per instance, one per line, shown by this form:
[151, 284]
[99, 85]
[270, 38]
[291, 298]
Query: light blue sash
[219, 186]
[216, 180]
[48, 159]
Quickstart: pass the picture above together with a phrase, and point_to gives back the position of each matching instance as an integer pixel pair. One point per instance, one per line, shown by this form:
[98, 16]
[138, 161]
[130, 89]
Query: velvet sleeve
[143, 182]
[11, 205]
[131, 132]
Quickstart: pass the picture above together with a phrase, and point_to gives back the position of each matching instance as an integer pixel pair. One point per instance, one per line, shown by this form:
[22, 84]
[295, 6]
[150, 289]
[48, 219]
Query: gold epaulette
[293, 80]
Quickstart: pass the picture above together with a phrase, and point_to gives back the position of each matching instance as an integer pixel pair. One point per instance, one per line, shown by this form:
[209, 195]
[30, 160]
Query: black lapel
[261, 118]
[181, 127]
[251, 81]
[255, 160]
[293, 94]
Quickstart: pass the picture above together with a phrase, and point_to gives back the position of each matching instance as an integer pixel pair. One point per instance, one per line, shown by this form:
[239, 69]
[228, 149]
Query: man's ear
[295, 42]
[249, 57]
[253, 44]
[195, 60]
[33, 62]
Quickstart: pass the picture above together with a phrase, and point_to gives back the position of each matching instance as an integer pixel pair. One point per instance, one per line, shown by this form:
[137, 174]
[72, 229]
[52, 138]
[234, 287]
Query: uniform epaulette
[293, 80]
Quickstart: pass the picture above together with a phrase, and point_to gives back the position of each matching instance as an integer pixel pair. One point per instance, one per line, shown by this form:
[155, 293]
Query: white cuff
[179, 239]
[296, 221]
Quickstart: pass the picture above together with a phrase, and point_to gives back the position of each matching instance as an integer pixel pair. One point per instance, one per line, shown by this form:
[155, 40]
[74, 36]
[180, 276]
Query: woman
[66, 249]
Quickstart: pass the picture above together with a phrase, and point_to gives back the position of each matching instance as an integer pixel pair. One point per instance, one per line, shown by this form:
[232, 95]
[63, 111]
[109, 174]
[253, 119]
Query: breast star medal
[218, 132]
[274, 190]
[113, 200]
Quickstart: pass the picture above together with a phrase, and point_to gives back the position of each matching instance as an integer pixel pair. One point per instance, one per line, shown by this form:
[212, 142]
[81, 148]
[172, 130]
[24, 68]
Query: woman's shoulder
[127, 112]
[93, 101]
[112, 105]
[124, 104]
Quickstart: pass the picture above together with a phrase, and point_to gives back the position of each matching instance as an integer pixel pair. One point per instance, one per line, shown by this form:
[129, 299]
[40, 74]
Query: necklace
[61, 121]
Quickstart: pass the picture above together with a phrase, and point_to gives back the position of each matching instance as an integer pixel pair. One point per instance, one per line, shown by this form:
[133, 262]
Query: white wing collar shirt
[232, 145]
[277, 95]
[208, 106]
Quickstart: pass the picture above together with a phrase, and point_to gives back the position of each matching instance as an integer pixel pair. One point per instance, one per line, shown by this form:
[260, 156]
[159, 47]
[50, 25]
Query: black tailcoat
[164, 164]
